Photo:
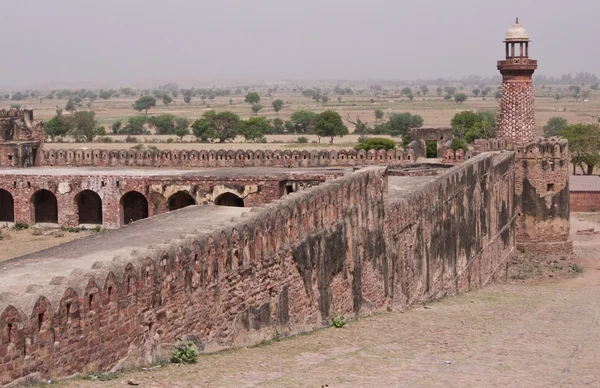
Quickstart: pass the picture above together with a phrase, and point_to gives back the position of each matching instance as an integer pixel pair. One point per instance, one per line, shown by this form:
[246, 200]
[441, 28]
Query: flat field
[435, 111]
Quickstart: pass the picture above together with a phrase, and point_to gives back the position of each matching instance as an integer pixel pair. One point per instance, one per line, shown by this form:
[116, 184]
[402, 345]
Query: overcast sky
[114, 42]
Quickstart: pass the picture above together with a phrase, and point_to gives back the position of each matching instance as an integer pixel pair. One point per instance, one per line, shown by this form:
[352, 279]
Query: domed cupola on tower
[517, 119]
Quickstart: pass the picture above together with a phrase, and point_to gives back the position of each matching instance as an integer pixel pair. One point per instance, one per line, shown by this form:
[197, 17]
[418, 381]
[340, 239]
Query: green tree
[105, 94]
[584, 144]
[135, 125]
[187, 98]
[304, 121]
[181, 132]
[252, 98]
[56, 127]
[439, 90]
[400, 124]
[277, 125]
[498, 95]
[254, 129]
[460, 98]
[330, 124]
[277, 105]
[376, 143]
[164, 124]
[470, 126]
[222, 126]
[256, 108]
[406, 91]
[144, 103]
[378, 114]
[324, 99]
[167, 99]
[116, 126]
[424, 89]
[202, 130]
[18, 96]
[181, 123]
[451, 90]
[83, 125]
[554, 126]
[476, 92]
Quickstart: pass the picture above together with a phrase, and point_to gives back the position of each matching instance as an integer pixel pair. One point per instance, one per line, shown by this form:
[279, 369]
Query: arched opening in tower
[7, 207]
[179, 200]
[229, 199]
[89, 207]
[134, 207]
[45, 207]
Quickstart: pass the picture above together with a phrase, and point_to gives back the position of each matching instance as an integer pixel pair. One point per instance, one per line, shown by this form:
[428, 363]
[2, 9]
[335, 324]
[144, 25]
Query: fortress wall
[455, 234]
[222, 158]
[343, 248]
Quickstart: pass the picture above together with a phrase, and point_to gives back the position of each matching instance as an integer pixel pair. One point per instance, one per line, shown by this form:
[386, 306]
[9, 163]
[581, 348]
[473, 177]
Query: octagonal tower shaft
[517, 116]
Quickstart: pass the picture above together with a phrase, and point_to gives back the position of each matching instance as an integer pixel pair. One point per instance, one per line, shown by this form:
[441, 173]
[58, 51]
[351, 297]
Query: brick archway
[180, 200]
[7, 206]
[134, 207]
[229, 199]
[89, 207]
[45, 207]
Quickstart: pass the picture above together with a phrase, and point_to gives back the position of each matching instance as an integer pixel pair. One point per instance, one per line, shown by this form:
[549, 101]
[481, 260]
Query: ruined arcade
[329, 233]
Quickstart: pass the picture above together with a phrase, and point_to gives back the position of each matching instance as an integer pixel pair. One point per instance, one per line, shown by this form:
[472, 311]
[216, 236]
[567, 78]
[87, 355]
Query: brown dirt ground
[15, 243]
[540, 331]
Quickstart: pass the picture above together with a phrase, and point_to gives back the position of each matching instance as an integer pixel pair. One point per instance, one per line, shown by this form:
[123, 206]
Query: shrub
[458, 144]
[131, 139]
[338, 322]
[36, 231]
[21, 226]
[302, 140]
[184, 353]
[170, 140]
[104, 139]
[376, 143]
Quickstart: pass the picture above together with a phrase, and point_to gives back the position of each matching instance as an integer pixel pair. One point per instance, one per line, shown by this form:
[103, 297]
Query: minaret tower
[517, 119]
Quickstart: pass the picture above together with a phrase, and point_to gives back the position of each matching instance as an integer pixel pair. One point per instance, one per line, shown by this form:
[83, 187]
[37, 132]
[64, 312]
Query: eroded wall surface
[343, 248]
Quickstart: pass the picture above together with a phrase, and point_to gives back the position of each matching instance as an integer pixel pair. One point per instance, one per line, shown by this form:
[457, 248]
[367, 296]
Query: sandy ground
[15, 243]
[515, 334]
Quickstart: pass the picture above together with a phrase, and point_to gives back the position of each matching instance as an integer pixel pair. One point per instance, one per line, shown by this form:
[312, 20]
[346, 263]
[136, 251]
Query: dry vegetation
[435, 111]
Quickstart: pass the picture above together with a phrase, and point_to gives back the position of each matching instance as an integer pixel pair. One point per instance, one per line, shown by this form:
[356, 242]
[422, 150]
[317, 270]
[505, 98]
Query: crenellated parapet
[223, 158]
[289, 267]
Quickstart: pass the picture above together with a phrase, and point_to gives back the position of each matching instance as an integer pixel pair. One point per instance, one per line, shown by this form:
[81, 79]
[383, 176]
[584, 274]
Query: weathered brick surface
[542, 192]
[341, 248]
[222, 158]
[19, 191]
[585, 201]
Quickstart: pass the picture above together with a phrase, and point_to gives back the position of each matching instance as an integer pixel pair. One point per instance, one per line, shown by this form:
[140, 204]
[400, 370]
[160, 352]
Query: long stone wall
[343, 248]
[222, 158]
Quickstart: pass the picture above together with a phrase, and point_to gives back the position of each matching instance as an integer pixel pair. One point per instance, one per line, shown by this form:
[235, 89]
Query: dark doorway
[431, 149]
[7, 207]
[45, 207]
[180, 200]
[228, 199]
[134, 207]
[89, 207]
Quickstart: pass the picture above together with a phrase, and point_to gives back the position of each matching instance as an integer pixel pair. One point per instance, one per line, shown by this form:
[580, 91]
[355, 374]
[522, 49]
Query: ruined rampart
[222, 158]
[343, 248]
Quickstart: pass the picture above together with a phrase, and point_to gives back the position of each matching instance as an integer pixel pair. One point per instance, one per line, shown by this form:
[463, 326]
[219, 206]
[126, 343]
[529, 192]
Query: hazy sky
[113, 42]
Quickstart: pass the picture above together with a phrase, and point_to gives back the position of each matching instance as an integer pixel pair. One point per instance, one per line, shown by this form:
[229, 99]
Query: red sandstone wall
[585, 201]
[341, 248]
[256, 191]
[221, 158]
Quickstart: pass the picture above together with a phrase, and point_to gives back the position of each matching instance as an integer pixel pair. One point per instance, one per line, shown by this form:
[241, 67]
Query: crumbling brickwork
[62, 201]
[345, 247]
[542, 192]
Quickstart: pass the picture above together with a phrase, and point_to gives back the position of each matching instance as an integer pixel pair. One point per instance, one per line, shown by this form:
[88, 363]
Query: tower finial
[517, 20]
